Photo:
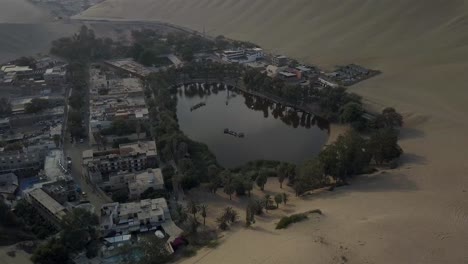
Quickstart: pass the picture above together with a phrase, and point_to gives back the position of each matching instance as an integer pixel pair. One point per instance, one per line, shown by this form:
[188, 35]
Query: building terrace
[141, 216]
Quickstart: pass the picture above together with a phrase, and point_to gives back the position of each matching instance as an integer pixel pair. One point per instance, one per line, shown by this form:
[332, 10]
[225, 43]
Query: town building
[25, 160]
[142, 216]
[324, 82]
[49, 208]
[8, 185]
[152, 178]
[135, 182]
[279, 60]
[62, 190]
[56, 75]
[272, 70]
[242, 56]
[229, 55]
[5, 123]
[128, 66]
[115, 99]
[98, 165]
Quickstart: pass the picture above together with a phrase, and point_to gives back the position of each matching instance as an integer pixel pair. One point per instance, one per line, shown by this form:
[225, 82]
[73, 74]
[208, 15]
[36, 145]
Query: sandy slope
[416, 214]
[21, 11]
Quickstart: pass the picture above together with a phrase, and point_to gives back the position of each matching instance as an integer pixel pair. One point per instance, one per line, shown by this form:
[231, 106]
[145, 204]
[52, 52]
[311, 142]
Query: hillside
[415, 214]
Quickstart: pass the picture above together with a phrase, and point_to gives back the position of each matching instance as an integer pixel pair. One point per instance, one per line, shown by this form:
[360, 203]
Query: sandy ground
[415, 214]
[21, 257]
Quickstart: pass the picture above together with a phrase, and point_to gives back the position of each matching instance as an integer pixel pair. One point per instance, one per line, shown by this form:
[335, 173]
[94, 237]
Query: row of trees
[350, 155]
[37, 105]
[256, 80]
[85, 46]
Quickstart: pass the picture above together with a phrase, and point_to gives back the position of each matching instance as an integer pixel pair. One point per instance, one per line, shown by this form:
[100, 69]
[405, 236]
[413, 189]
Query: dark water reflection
[272, 131]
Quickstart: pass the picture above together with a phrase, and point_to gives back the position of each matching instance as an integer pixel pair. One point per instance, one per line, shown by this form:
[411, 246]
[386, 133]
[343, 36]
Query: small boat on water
[233, 133]
[195, 107]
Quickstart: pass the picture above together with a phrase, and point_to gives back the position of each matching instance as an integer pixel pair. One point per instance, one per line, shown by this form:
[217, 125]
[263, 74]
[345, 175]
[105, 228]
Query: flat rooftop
[48, 202]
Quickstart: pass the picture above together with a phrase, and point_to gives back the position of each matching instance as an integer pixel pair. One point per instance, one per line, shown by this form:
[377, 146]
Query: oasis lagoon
[239, 127]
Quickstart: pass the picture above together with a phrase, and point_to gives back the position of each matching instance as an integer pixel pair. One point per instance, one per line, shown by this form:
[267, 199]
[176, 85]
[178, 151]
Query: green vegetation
[192, 158]
[121, 127]
[257, 81]
[288, 220]
[32, 221]
[79, 50]
[383, 145]
[154, 251]
[85, 47]
[120, 196]
[337, 104]
[25, 61]
[79, 232]
[388, 119]
[228, 217]
[151, 193]
[12, 228]
[37, 105]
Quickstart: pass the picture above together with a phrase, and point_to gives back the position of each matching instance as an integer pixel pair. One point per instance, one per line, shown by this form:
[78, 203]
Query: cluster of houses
[116, 95]
[29, 138]
[115, 99]
[286, 69]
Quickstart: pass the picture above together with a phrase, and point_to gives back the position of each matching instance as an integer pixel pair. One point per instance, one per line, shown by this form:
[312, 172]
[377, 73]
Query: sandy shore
[415, 214]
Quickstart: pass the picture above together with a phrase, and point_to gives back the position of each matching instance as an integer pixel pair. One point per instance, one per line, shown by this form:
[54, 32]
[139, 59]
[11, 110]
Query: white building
[142, 216]
[256, 53]
[56, 75]
[229, 55]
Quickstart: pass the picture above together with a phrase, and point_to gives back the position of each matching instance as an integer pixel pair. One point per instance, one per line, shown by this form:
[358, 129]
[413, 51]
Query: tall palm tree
[193, 208]
[203, 209]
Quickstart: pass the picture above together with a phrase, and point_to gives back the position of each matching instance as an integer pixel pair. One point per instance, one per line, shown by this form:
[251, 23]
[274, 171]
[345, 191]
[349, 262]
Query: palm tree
[193, 208]
[248, 186]
[203, 208]
[229, 188]
[285, 198]
[262, 179]
[282, 173]
[278, 199]
[222, 223]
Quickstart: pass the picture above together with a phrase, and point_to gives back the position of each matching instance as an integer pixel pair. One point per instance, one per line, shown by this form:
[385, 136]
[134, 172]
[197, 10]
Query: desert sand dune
[21, 11]
[415, 214]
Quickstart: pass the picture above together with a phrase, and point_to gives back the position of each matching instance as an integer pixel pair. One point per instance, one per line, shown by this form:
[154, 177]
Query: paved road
[74, 151]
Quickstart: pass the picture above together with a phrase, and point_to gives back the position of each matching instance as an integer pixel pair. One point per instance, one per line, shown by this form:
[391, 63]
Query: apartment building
[142, 216]
[98, 165]
[49, 208]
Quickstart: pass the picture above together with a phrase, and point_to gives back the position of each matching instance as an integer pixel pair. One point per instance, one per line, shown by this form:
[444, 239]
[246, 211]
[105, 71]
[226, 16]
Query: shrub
[287, 220]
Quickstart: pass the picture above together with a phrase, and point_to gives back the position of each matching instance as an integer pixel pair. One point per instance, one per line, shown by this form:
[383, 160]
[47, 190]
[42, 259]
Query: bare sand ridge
[415, 214]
